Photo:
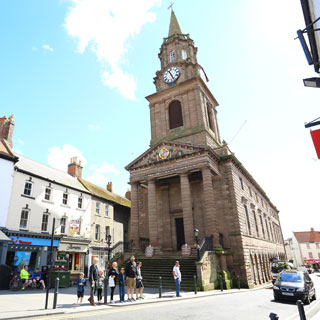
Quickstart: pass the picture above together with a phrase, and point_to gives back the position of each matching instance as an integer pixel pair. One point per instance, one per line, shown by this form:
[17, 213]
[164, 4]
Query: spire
[174, 25]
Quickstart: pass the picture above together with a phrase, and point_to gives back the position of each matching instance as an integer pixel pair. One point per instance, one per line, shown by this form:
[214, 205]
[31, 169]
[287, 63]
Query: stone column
[152, 212]
[209, 206]
[186, 203]
[134, 219]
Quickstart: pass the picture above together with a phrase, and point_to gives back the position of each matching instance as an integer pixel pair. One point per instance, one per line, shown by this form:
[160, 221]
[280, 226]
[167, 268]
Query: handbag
[111, 282]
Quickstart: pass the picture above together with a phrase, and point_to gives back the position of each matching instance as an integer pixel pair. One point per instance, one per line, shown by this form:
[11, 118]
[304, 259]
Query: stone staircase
[162, 266]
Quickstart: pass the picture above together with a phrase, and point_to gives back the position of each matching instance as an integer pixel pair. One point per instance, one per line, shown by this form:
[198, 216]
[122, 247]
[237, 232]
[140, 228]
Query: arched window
[172, 56]
[175, 114]
[210, 117]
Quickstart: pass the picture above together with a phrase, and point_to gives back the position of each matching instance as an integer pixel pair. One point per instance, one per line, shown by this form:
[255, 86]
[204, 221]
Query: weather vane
[171, 6]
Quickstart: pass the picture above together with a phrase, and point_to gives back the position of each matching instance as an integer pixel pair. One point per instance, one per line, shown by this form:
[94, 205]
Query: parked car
[294, 285]
[276, 266]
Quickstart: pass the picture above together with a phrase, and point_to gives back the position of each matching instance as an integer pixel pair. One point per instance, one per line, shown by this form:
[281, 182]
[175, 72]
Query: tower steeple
[174, 25]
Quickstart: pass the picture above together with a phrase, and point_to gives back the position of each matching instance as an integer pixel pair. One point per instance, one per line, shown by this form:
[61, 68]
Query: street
[246, 305]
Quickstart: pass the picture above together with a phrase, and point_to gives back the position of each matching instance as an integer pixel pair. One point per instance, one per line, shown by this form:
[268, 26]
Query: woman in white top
[177, 277]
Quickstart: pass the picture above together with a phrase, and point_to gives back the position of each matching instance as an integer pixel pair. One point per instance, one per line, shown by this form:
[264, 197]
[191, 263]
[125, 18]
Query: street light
[312, 82]
[109, 243]
[196, 234]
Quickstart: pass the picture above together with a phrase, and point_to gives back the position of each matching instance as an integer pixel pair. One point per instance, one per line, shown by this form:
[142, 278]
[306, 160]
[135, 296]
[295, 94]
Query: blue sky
[75, 74]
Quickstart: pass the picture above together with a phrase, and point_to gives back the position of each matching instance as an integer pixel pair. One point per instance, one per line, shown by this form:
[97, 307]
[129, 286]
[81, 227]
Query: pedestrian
[131, 271]
[113, 275]
[81, 282]
[93, 277]
[24, 276]
[20, 266]
[177, 277]
[100, 285]
[121, 282]
[139, 283]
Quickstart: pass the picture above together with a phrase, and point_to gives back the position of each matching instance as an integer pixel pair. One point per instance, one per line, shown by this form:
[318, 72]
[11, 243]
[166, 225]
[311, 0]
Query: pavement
[31, 303]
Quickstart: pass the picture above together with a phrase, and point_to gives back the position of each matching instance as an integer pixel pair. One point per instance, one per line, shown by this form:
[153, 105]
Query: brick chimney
[312, 229]
[74, 168]
[6, 129]
[109, 186]
[128, 194]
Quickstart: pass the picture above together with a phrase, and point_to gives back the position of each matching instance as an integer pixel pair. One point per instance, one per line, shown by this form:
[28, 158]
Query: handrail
[205, 245]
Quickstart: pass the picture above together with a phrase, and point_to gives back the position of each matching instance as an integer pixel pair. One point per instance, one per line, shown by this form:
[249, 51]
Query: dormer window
[172, 56]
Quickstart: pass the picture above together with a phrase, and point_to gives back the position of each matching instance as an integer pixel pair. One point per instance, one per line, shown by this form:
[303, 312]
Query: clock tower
[183, 108]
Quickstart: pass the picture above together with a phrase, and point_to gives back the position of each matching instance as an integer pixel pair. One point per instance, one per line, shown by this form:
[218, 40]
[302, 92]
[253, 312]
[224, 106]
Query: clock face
[172, 74]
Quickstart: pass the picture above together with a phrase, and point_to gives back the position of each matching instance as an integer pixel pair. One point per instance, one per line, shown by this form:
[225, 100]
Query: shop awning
[3, 237]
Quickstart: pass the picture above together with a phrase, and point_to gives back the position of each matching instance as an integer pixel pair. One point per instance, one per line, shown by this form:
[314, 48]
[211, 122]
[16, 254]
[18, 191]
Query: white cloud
[107, 168]
[99, 175]
[99, 179]
[20, 141]
[60, 157]
[94, 127]
[47, 47]
[105, 27]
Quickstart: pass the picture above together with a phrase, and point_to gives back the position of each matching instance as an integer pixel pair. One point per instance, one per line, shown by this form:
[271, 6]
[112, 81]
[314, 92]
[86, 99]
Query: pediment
[163, 151]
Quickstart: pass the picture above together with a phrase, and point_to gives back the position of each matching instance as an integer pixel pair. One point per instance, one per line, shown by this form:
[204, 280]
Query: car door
[309, 283]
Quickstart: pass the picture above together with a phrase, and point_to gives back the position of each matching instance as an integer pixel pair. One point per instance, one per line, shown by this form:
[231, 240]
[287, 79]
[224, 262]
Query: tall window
[24, 219]
[80, 202]
[47, 194]
[175, 114]
[97, 232]
[310, 255]
[44, 224]
[262, 227]
[184, 54]
[269, 237]
[97, 208]
[308, 245]
[172, 56]
[247, 220]
[65, 198]
[27, 188]
[107, 210]
[210, 117]
[317, 245]
[241, 183]
[107, 232]
[256, 223]
[63, 223]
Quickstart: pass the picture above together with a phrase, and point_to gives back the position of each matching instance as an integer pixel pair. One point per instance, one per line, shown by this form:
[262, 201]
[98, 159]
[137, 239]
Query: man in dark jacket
[131, 272]
[93, 277]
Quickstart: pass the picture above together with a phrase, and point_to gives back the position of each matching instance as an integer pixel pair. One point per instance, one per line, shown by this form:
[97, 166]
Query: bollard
[301, 310]
[105, 290]
[160, 287]
[221, 282]
[56, 291]
[238, 279]
[273, 316]
[195, 283]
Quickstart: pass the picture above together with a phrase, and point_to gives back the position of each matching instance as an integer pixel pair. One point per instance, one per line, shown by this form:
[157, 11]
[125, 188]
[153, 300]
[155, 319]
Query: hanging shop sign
[74, 226]
[32, 241]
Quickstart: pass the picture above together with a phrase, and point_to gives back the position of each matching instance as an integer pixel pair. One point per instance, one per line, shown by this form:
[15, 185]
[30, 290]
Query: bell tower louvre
[188, 180]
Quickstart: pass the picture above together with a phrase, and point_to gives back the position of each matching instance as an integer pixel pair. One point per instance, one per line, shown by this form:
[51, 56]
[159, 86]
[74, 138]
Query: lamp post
[51, 264]
[109, 244]
[196, 239]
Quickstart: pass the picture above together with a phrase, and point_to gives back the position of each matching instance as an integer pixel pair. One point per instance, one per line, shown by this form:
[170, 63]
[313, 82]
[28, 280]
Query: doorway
[180, 233]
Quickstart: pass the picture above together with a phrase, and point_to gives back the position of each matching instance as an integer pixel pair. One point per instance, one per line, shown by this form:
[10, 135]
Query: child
[139, 283]
[100, 285]
[122, 281]
[81, 282]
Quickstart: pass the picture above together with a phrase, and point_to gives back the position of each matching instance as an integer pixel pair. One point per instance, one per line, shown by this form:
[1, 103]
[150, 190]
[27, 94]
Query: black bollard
[238, 279]
[105, 290]
[301, 310]
[160, 287]
[56, 291]
[195, 283]
[221, 282]
[273, 316]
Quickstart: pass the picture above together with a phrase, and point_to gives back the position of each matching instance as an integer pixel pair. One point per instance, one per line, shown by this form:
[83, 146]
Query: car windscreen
[291, 277]
[277, 267]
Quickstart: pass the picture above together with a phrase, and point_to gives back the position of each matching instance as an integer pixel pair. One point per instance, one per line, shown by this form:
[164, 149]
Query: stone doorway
[180, 233]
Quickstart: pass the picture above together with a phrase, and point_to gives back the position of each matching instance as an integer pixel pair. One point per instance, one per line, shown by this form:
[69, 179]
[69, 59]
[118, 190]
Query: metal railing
[205, 245]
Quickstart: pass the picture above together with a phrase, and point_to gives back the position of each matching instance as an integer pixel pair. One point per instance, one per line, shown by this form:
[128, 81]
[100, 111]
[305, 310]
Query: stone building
[189, 179]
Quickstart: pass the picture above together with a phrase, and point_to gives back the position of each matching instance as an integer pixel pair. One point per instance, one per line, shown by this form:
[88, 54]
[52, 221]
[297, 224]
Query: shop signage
[74, 226]
[311, 261]
[73, 247]
[33, 241]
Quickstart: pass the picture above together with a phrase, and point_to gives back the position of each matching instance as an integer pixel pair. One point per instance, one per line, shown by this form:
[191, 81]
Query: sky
[75, 74]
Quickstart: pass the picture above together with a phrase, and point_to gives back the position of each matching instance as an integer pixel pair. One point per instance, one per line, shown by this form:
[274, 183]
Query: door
[180, 233]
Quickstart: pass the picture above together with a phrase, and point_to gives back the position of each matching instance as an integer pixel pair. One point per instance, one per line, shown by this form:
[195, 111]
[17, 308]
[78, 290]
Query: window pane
[184, 54]
[172, 56]
[107, 210]
[24, 219]
[65, 198]
[175, 115]
[47, 194]
[97, 207]
[27, 188]
[79, 202]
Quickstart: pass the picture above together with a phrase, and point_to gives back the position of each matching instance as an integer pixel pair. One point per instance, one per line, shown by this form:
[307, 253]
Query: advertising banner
[74, 226]
[315, 134]
[32, 241]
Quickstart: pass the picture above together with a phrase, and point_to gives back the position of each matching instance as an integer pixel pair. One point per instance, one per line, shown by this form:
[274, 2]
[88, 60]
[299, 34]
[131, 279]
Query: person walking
[93, 277]
[131, 271]
[139, 283]
[100, 285]
[177, 277]
[122, 282]
[81, 282]
[113, 275]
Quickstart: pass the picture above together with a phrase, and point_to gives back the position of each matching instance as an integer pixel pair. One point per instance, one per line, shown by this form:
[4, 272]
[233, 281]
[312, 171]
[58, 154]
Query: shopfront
[101, 253]
[32, 250]
[315, 263]
[75, 252]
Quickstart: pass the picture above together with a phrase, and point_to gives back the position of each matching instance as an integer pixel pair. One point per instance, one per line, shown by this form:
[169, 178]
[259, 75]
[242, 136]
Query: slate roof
[3, 237]
[48, 173]
[105, 194]
[307, 236]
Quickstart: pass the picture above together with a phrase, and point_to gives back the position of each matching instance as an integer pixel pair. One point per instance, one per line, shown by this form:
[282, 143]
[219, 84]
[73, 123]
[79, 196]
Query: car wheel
[307, 300]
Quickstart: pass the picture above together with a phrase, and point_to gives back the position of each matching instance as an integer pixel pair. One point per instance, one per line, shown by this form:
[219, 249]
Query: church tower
[183, 108]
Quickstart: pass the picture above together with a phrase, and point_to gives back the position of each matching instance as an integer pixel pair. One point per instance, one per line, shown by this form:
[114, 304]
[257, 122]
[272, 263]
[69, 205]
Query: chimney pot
[109, 186]
[6, 129]
[74, 168]
[312, 229]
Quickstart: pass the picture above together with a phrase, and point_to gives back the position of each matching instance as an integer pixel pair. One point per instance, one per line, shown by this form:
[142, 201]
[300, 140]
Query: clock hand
[170, 74]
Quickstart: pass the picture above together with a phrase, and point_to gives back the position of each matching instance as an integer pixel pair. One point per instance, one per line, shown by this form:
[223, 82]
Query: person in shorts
[24, 276]
[139, 283]
[81, 282]
[37, 279]
[131, 271]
